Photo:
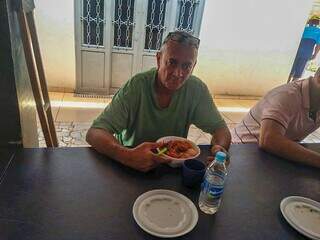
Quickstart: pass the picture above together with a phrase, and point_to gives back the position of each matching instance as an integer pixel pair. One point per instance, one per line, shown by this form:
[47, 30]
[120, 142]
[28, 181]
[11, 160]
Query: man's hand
[218, 148]
[221, 139]
[143, 159]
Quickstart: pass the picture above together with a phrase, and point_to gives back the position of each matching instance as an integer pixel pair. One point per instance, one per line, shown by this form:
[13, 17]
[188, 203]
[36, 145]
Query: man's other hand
[143, 158]
[218, 148]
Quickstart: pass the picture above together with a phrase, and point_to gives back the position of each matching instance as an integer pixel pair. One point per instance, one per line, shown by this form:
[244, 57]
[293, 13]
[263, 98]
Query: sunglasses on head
[182, 37]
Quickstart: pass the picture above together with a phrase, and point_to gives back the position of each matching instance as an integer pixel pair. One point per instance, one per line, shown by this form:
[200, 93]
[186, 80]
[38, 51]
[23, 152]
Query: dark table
[76, 193]
[6, 155]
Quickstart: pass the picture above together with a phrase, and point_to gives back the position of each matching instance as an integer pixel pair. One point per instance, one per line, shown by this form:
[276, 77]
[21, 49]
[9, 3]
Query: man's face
[175, 64]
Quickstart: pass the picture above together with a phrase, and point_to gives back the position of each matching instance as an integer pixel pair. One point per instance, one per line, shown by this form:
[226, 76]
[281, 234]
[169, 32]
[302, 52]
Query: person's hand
[218, 148]
[142, 157]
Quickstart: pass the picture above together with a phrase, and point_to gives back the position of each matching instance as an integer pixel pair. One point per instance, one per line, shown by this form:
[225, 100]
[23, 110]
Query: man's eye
[171, 62]
[186, 66]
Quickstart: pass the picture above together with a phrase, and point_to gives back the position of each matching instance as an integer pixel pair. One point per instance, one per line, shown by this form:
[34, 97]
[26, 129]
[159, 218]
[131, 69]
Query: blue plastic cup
[193, 171]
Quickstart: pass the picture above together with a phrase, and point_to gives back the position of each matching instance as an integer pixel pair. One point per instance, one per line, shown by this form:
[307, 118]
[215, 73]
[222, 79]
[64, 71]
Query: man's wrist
[219, 146]
[122, 154]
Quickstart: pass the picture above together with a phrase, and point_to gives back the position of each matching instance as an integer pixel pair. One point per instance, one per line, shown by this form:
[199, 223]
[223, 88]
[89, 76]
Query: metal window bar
[186, 15]
[155, 24]
[92, 21]
[123, 24]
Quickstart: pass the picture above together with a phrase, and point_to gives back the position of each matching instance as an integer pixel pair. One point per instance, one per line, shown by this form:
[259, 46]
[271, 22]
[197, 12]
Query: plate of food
[178, 149]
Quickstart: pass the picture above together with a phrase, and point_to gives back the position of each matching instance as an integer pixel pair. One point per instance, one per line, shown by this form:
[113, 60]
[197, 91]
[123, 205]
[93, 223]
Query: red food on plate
[180, 149]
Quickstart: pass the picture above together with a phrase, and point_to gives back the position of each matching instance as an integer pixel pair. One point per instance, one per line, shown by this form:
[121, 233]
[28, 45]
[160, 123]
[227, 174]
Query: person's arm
[140, 158]
[315, 52]
[272, 140]
[221, 139]
[208, 119]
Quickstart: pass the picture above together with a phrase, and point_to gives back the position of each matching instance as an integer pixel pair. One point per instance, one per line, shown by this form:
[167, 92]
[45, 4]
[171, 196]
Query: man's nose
[178, 72]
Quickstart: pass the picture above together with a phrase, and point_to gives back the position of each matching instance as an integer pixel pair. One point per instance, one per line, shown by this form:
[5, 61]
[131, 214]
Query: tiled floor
[73, 117]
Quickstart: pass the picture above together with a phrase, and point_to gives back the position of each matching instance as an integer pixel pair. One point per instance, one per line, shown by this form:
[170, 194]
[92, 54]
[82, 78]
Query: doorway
[115, 39]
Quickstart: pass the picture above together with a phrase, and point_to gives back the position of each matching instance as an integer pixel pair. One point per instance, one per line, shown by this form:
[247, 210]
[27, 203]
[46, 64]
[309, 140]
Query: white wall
[55, 25]
[247, 47]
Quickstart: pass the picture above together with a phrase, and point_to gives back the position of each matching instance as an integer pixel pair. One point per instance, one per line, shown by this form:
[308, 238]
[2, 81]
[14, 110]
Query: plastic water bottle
[212, 186]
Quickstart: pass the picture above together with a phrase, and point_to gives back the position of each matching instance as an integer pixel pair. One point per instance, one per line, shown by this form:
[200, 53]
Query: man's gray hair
[182, 38]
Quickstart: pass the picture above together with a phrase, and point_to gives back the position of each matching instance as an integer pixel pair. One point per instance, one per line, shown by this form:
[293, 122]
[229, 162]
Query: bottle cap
[220, 156]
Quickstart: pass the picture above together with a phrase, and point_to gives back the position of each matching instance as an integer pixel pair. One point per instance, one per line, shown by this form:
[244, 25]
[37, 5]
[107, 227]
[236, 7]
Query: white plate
[303, 214]
[165, 213]
[177, 162]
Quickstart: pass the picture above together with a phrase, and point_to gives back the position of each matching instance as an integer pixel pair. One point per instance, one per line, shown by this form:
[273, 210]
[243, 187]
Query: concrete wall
[55, 25]
[247, 47]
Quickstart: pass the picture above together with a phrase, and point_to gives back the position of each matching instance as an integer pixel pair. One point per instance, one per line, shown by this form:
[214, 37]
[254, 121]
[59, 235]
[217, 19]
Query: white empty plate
[165, 213]
[303, 214]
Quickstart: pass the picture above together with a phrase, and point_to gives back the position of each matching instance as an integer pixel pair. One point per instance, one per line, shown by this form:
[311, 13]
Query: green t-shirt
[135, 117]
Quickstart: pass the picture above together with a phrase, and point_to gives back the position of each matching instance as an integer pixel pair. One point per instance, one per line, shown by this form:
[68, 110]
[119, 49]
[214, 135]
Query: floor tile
[247, 103]
[77, 114]
[194, 133]
[56, 96]
[235, 117]
[202, 141]
[226, 119]
[80, 126]
[227, 102]
[231, 125]
[107, 100]
[55, 111]
[72, 123]
[69, 97]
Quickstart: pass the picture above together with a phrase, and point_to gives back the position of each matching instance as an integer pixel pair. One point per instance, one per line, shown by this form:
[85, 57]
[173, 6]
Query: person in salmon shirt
[282, 118]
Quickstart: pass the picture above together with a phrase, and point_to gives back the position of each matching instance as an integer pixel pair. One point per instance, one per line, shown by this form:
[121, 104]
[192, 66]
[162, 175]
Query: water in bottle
[212, 186]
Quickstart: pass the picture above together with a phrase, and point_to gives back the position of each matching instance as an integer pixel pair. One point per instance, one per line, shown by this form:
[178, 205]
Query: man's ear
[158, 56]
[194, 65]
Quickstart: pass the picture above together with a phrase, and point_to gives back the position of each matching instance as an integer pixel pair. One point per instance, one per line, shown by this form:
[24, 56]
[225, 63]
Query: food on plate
[179, 149]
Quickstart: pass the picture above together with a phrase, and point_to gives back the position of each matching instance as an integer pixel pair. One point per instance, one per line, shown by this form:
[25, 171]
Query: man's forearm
[283, 147]
[222, 137]
[105, 143]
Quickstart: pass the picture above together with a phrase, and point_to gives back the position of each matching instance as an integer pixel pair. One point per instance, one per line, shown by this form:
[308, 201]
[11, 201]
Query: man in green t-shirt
[160, 102]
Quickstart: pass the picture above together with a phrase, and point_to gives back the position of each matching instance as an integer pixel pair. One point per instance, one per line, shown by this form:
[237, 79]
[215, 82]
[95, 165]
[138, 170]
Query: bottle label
[213, 190]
